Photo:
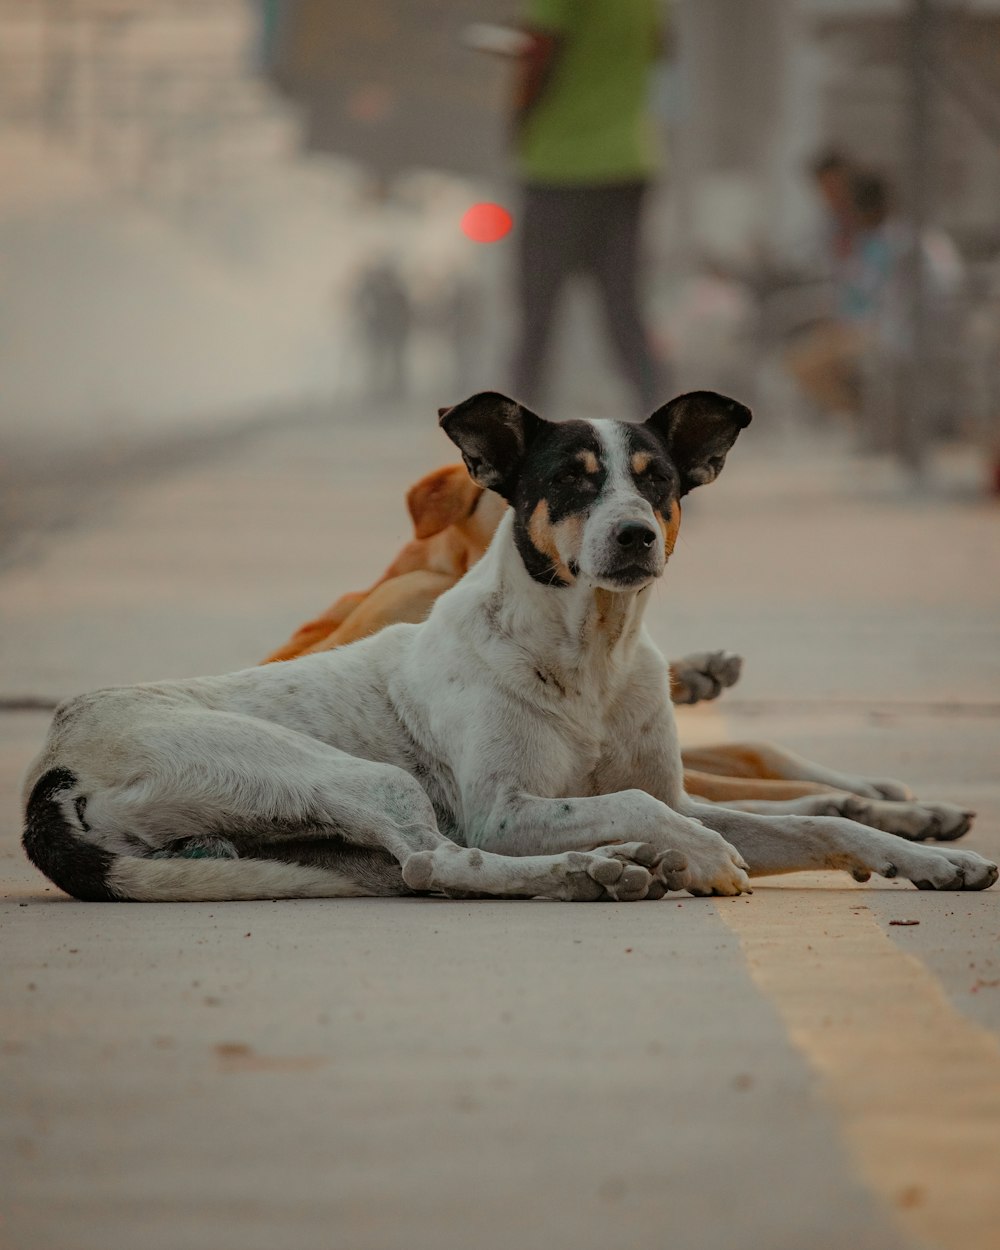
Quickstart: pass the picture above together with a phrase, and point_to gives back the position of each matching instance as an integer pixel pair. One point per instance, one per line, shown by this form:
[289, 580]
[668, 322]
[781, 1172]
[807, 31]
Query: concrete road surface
[816, 1066]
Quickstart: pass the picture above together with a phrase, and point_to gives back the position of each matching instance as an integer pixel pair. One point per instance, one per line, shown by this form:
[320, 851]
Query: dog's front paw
[704, 675]
[667, 869]
[610, 872]
[917, 822]
[713, 865]
[936, 869]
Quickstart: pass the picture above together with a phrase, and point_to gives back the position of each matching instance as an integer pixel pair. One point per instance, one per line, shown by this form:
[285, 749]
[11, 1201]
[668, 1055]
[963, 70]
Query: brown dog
[453, 523]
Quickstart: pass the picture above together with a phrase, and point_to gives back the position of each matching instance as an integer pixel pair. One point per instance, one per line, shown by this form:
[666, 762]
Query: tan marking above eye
[641, 461]
[588, 460]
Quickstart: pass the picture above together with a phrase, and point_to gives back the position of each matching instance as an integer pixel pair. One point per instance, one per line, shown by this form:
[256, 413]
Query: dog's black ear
[699, 428]
[492, 432]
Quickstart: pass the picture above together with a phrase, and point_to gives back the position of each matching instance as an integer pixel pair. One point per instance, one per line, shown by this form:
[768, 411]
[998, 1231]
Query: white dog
[521, 741]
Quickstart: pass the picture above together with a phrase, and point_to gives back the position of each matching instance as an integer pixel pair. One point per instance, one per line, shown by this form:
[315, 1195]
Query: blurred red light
[486, 223]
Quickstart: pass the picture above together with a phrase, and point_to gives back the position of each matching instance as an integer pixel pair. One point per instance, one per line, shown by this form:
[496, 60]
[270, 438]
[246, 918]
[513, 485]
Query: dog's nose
[634, 536]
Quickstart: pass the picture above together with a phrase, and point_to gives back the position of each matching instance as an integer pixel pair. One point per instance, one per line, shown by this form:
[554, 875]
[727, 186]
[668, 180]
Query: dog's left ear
[699, 428]
[440, 499]
[493, 433]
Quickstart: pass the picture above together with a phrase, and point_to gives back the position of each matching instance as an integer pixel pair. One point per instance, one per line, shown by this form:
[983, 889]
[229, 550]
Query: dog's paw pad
[630, 852]
[604, 869]
[632, 885]
[418, 871]
[672, 870]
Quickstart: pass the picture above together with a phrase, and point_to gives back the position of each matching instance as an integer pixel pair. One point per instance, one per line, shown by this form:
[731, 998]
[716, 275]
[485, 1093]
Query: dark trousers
[592, 230]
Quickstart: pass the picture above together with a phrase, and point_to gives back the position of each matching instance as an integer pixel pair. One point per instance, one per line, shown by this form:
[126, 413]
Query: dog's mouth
[634, 575]
[628, 577]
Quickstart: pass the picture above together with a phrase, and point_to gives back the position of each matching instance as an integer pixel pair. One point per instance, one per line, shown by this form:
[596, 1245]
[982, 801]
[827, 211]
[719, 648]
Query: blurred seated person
[833, 175]
[826, 359]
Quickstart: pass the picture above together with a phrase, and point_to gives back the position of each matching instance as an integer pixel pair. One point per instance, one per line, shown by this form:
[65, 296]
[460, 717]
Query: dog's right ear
[699, 429]
[492, 432]
[440, 499]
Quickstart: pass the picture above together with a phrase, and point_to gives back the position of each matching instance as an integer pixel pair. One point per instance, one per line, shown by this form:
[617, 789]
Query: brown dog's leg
[721, 789]
[765, 761]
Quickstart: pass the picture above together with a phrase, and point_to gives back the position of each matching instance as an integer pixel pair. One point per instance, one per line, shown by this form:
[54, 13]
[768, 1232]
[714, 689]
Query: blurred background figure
[385, 318]
[851, 364]
[586, 155]
[186, 209]
[461, 310]
[827, 359]
[832, 175]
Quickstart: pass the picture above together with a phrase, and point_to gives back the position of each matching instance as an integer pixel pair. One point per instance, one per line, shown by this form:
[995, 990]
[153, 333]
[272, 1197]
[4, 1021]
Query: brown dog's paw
[704, 675]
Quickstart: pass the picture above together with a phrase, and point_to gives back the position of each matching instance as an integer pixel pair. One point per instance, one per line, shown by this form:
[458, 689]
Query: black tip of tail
[55, 848]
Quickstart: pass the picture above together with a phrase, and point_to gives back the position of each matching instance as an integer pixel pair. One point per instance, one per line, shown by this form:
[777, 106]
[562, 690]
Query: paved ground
[789, 1070]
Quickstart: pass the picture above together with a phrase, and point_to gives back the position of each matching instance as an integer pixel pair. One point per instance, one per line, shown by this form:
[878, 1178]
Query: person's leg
[544, 258]
[613, 258]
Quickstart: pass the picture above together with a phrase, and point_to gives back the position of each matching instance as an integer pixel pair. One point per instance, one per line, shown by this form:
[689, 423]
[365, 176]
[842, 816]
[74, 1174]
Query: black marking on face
[651, 469]
[561, 479]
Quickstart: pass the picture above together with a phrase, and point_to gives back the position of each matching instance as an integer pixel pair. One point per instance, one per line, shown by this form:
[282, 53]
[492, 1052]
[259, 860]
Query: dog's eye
[655, 474]
[569, 475]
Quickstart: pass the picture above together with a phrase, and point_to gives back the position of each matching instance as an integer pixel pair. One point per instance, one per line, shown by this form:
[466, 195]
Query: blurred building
[768, 82]
[866, 101]
[200, 112]
[393, 82]
[158, 95]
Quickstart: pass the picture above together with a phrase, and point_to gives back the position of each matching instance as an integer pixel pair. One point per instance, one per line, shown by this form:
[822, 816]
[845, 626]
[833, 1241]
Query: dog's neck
[578, 636]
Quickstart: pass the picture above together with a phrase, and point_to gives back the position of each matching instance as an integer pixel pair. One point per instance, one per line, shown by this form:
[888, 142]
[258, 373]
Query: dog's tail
[61, 849]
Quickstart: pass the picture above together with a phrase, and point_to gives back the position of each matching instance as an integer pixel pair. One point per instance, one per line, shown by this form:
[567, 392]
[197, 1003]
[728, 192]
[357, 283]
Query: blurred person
[462, 323]
[586, 156]
[833, 175]
[916, 385]
[827, 360]
[860, 362]
[384, 313]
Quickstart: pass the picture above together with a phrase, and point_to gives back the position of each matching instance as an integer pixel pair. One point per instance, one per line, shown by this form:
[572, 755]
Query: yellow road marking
[916, 1085]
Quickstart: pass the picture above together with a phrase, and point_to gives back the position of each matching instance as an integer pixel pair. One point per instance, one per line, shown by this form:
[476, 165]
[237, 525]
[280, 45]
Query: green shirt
[592, 124]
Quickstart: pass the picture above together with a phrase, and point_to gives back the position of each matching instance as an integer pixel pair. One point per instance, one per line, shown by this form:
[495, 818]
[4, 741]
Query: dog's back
[453, 523]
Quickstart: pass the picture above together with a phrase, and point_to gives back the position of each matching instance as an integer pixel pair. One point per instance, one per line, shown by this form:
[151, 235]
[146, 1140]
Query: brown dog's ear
[440, 499]
[492, 432]
[699, 428]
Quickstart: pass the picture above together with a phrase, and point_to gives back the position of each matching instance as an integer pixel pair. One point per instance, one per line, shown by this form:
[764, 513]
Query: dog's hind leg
[574, 876]
[120, 803]
[780, 844]
[716, 788]
[140, 795]
[767, 761]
